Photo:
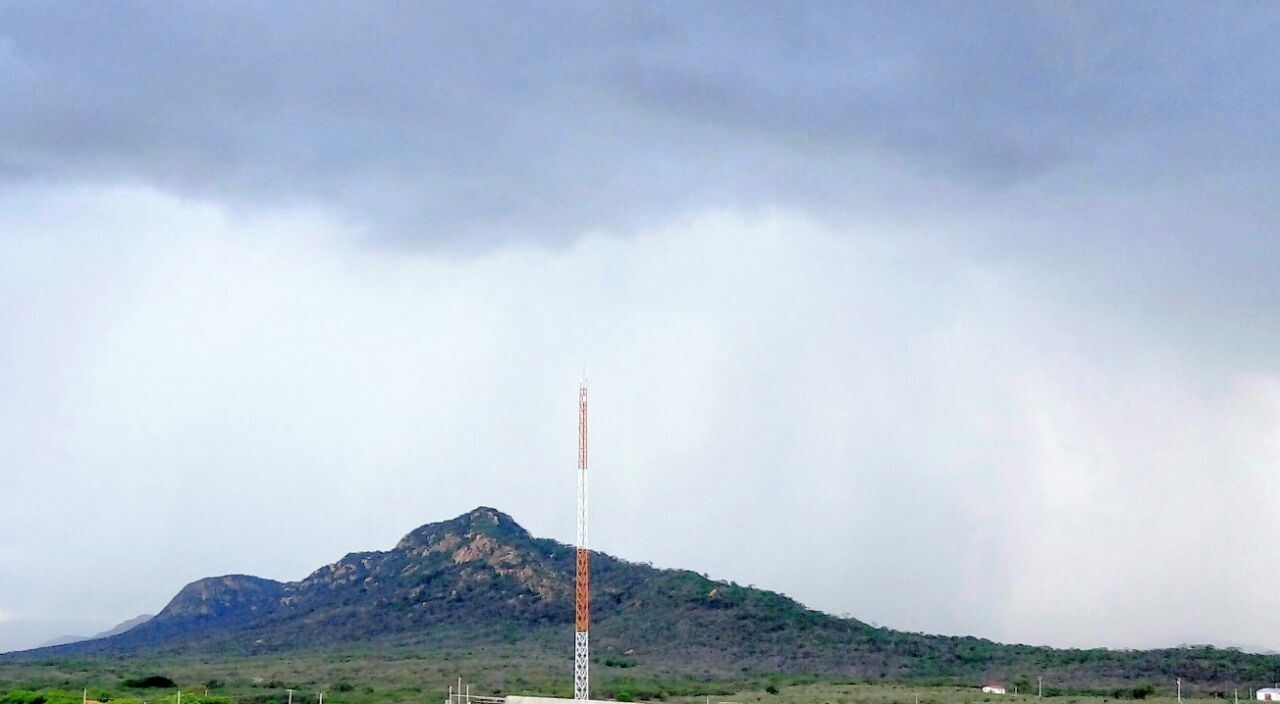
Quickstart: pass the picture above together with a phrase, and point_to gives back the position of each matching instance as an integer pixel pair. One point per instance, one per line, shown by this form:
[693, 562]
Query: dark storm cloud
[482, 123]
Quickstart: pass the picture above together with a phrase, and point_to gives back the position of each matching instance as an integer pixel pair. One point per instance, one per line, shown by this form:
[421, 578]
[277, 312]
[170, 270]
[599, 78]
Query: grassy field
[878, 693]
[346, 678]
[415, 678]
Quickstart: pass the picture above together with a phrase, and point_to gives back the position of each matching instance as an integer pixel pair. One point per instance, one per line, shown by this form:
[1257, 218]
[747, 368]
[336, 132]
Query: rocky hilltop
[482, 578]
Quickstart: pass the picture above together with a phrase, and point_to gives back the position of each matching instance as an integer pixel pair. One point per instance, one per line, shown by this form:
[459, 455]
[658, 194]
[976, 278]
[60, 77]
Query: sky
[952, 317]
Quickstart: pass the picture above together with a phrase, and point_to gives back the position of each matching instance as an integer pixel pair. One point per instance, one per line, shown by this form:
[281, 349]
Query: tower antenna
[582, 591]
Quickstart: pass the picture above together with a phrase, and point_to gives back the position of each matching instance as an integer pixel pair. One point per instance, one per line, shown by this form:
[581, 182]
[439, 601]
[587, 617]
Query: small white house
[999, 689]
[1269, 694]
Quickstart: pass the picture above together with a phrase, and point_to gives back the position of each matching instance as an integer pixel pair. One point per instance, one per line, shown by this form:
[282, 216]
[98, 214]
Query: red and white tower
[582, 592]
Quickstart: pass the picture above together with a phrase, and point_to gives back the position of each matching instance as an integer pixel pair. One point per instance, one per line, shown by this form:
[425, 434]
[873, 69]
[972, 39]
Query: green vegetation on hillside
[480, 589]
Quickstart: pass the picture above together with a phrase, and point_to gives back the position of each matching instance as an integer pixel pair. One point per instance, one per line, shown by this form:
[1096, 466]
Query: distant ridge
[114, 630]
[482, 578]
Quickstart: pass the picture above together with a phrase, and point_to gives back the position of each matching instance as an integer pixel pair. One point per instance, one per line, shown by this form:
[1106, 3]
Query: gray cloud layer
[464, 122]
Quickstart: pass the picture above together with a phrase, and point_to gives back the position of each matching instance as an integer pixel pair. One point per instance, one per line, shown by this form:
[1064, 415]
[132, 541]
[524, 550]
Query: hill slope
[114, 630]
[481, 578]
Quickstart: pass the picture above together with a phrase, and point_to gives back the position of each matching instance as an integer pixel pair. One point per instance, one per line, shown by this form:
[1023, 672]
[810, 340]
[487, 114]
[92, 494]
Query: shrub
[152, 681]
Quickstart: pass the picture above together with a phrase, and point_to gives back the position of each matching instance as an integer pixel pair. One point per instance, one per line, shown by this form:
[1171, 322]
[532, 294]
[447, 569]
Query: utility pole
[322, 697]
[290, 697]
[1040, 686]
[1179, 690]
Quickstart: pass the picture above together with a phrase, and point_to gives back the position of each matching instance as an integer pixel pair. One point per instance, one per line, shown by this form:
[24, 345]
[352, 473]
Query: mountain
[64, 640]
[124, 626]
[481, 578]
[114, 630]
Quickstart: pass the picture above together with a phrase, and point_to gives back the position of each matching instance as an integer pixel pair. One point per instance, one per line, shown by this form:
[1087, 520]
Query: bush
[28, 697]
[153, 681]
[771, 689]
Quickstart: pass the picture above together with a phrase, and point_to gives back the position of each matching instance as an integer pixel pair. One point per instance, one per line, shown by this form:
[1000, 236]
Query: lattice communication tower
[582, 586]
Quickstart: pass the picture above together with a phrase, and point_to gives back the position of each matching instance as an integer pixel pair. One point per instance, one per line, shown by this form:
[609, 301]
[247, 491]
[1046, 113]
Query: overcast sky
[954, 317]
